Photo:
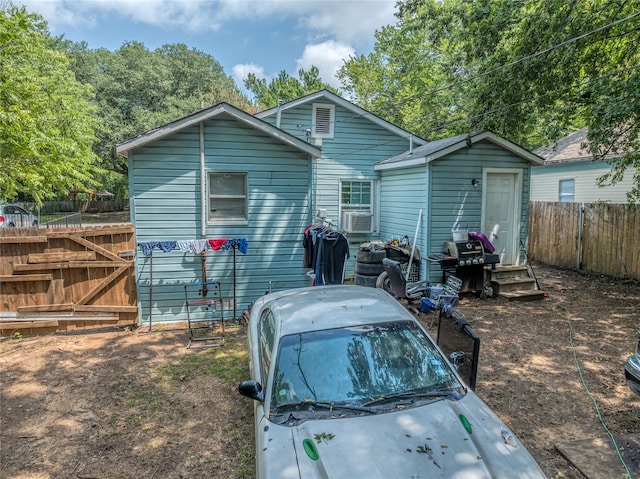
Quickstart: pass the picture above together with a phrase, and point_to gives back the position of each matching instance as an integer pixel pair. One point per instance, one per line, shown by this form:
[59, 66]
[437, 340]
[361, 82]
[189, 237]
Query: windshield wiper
[330, 406]
[437, 393]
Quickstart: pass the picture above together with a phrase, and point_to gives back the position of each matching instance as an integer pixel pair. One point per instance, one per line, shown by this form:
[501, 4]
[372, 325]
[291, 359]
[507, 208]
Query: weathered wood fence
[65, 279]
[599, 238]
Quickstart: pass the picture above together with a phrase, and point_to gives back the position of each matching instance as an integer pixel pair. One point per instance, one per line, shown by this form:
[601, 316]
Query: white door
[501, 210]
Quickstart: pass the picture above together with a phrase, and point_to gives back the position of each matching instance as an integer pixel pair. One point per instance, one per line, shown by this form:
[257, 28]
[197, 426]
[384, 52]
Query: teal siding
[455, 199]
[404, 192]
[356, 146]
[166, 206]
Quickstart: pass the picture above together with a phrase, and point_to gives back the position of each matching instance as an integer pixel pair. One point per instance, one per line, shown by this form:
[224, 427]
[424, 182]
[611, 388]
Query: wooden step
[513, 284]
[532, 295]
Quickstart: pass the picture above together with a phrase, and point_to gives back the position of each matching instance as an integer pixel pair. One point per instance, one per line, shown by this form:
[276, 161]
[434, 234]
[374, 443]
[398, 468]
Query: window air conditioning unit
[357, 222]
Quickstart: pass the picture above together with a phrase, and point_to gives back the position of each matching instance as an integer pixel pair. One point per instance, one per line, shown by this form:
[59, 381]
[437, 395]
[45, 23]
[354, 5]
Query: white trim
[517, 210]
[411, 162]
[329, 96]
[203, 115]
[463, 143]
[374, 205]
[226, 220]
[332, 119]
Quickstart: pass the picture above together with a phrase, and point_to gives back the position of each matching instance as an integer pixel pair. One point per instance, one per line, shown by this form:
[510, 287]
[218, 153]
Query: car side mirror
[457, 359]
[252, 389]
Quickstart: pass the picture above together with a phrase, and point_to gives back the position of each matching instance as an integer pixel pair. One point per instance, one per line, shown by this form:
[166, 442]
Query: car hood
[438, 440]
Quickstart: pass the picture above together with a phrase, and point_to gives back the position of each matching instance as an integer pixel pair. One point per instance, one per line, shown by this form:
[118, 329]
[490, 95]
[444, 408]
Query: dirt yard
[138, 404]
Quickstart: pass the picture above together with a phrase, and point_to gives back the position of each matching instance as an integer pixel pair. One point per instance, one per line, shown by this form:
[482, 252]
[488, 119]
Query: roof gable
[326, 95]
[437, 149]
[209, 113]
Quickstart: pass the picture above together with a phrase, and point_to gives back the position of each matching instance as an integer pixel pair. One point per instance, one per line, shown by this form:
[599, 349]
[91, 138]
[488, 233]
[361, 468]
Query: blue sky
[245, 36]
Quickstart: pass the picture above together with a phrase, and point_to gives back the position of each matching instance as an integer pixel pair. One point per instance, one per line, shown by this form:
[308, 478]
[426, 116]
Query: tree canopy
[137, 89]
[284, 87]
[530, 70]
[46, 116]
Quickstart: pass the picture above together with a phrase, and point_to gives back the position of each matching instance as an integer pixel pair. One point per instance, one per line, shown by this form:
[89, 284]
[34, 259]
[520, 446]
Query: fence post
[580, 233]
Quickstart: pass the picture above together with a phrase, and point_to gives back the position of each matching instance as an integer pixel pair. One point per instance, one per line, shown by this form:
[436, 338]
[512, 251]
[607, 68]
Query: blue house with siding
[480, 180]
[263, 179]
[223, 174]
[352, 141]
[220, 173]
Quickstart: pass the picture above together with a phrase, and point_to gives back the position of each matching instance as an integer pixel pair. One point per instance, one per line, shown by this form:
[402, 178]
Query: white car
[347, 384]
[14, 215]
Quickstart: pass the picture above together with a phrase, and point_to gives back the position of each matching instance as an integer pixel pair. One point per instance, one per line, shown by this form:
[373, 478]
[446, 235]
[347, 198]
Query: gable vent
[323, 120]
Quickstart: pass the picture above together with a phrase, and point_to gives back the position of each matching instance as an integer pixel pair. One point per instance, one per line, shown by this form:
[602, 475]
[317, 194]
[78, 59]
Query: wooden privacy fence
[65, 279]
[599, 238]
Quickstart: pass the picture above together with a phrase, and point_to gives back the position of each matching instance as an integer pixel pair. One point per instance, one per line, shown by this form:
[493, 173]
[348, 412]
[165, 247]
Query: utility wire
[537, 54]
[480, 115]
[498, 68]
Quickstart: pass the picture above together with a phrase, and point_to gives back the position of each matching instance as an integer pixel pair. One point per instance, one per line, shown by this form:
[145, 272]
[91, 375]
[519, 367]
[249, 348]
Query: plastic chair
[394, 281]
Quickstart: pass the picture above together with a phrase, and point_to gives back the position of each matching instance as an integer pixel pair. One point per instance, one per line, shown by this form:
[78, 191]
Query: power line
[537, 54]
[504, 107]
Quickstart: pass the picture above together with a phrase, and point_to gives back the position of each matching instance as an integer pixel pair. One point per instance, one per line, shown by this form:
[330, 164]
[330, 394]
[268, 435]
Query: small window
[356, 196]
[227, 197]
[566, 191]
[323, 120]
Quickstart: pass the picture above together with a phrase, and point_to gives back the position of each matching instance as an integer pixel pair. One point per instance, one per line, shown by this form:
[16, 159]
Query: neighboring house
[570, 174]
[264, 178]
[481, 180]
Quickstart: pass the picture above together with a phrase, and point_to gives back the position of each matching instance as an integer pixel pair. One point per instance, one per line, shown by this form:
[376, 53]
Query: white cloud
[350, 21]
[328, 57]
[241, 72]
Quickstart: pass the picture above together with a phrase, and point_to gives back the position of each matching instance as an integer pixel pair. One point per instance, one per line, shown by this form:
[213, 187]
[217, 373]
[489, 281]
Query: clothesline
[194, 246]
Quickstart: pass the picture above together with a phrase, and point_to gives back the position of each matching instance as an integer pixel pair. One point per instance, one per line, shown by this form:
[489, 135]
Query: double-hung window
[227, 197]
[356, 196]
[566, 190]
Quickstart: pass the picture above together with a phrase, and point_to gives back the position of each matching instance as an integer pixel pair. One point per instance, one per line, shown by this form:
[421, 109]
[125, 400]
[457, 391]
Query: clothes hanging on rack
[194, 246]
[333, 253]
[326, 252]
[216, 244]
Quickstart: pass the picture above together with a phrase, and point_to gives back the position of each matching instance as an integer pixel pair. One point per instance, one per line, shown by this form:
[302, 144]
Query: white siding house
[570, 174]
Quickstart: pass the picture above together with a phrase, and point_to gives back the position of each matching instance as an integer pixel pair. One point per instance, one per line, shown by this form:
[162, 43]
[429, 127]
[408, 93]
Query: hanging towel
[216, 244]
[240, 243]
[167, 246]
[198, 246]
[147, 246]
[184, 245]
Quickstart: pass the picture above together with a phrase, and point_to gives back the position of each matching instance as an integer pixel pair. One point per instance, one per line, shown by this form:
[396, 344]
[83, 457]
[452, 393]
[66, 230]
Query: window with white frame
[227, 197]
[323, 120]
[356, 195]
[566, 190]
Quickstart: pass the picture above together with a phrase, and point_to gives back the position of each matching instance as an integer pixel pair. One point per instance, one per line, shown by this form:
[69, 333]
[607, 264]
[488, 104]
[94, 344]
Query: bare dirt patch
[133, 404]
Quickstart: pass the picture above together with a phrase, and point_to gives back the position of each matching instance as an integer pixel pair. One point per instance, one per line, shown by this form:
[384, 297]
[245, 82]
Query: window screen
[227, 196]
[566, 190]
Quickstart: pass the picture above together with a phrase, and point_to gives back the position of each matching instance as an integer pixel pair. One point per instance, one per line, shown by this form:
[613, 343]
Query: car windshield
[374, 364]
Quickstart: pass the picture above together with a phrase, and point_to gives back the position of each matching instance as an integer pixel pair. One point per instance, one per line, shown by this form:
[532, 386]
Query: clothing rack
[196, 247]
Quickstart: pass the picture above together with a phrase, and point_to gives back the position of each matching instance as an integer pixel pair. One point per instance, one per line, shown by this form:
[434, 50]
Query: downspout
[203, 187]
[410, 144]
[203, 209]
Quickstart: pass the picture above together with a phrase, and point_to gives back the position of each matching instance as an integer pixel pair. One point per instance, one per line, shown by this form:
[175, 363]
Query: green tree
[285, 87]
[530, 70]
[137, 89]
[46, 118]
